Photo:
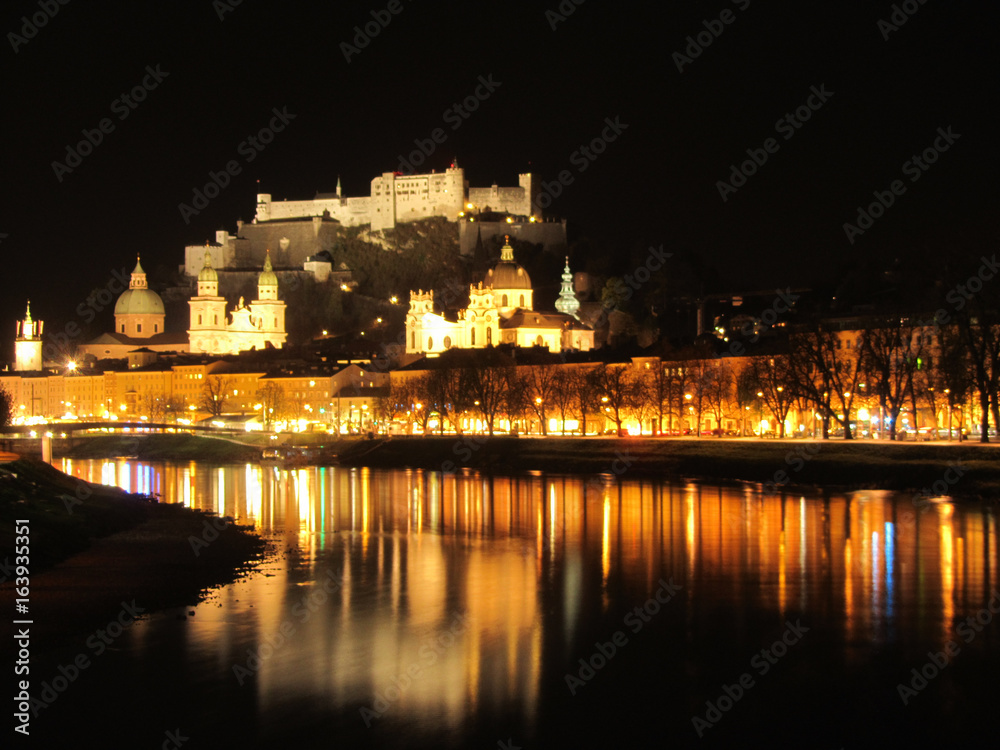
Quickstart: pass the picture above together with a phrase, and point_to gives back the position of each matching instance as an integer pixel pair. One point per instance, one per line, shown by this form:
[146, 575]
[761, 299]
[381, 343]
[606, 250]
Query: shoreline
[94, 549]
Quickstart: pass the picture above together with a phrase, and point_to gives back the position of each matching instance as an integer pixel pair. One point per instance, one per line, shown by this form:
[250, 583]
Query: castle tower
[567, 302]
[206, 332]
[28, 344]
[267, 312]
[139, 311]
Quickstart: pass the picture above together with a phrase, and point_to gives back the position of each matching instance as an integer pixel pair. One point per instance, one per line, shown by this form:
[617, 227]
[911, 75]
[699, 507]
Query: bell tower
[28, 344]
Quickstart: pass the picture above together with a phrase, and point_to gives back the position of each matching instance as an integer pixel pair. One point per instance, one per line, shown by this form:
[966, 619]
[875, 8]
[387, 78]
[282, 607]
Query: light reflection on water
[486, 590]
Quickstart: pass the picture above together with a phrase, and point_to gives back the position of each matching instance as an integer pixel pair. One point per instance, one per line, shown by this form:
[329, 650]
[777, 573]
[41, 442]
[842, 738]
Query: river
[406, 608]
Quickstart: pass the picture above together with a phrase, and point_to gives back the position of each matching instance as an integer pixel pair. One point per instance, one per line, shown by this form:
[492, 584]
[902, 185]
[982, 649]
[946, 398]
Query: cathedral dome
[139, 302]
[507, 274]
[139, 299]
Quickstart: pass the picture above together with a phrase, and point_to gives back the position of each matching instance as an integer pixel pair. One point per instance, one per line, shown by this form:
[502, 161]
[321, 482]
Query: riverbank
[93, 547]
[965, 469]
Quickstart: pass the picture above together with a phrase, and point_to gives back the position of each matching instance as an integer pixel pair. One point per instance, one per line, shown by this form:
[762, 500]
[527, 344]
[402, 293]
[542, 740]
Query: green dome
[267, 276]
[139, 302]
[208, 273]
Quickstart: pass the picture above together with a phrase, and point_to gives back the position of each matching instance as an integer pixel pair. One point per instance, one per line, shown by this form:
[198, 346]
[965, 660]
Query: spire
[138, 280]
[267, 261]
[567, 302]
[507, 252]
[338, 185]
[27, 314]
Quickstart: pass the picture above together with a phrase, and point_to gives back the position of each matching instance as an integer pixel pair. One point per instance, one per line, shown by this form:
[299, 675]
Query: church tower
[208, 312]
[267, 311]
[567, 302]
[28, 344]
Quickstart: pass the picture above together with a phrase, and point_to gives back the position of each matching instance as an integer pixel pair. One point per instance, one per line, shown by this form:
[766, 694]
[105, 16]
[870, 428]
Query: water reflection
[429, 598]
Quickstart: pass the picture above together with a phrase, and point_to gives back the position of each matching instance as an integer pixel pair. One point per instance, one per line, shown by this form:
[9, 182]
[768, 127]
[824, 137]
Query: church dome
[139, 302]
[507, 274]
[139, 299]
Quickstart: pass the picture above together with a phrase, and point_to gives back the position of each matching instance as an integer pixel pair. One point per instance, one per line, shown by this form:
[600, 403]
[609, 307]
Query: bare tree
[775, 378]
[271, 397]
[540, 385]
[214, 394]
[892, 350]
[614, 385]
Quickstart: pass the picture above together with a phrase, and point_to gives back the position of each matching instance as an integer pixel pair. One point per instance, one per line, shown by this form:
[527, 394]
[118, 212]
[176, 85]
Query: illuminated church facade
[501, 311]
[257, 325]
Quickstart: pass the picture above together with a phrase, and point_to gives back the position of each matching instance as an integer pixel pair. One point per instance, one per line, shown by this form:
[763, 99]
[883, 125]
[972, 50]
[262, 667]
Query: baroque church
[140, 318]
[501, 311]
[255, 326]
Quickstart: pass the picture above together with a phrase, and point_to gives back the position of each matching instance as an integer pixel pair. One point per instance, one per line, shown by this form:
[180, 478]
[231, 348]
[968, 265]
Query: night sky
[555, 89]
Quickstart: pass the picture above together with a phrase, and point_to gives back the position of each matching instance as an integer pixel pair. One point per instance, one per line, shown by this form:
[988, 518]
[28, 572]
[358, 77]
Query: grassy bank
[899, 466]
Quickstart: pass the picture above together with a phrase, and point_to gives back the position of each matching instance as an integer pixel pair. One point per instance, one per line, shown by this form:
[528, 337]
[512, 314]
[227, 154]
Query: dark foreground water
[414, 609]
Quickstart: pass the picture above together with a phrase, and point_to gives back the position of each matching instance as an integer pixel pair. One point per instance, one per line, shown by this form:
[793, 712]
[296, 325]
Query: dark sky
[655, 183]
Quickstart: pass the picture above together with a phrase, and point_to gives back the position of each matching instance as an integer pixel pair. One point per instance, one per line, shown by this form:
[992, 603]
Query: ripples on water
[454, 609]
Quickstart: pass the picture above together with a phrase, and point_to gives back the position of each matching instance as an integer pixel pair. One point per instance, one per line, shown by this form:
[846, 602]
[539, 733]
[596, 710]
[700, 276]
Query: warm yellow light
[344, 288]
[394, 299]
[469, 206]
[510, 220]
[863, 414]
[71, 365]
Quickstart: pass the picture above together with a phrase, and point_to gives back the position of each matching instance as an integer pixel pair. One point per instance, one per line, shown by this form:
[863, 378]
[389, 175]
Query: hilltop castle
[397, 198]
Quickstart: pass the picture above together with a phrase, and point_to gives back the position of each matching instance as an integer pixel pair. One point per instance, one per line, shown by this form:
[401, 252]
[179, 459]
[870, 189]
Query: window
[199, 320]
[447, 342]
[123, 328]
[472, 341]
[503, 301]
[430, 342]
[489, 336]
[413, 340]
[156, 327]
[215, 320]
[138, 327]
[522, 301]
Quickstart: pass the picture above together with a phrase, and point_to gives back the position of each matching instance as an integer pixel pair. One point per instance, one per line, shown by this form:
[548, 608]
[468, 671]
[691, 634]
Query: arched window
[215, 321]
[539, 341]
[472, 341]
[199, 321]
[138, 327]
[430, 343]
[522, 301]
[447, 342]
[123, 328]
[413, 340]
[156, 327]
[503, 301]
[489, 336]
